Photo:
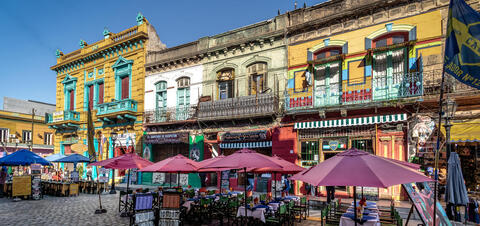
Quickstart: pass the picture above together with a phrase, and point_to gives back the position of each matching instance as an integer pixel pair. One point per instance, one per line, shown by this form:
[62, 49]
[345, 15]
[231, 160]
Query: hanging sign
[257, 135]
[168, 138]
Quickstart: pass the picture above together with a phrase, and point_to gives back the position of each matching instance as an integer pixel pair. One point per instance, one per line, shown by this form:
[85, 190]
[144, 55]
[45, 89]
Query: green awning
[371, 120]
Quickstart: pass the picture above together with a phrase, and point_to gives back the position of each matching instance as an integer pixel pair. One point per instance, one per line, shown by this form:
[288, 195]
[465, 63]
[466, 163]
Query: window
[326, 53]
[101, 89]
[26, 136]
[327, 84]
[225, 80]
[257, 74]
[183, 98]
[310, 150]
[161, 101]
[125, 87]
[4, 133]
[71, 96]
[390, 39]
[48, 138]
[90, 96]
[364, 145]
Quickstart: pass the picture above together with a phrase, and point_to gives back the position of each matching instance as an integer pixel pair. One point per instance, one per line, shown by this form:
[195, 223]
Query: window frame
[253, 71]
[229, 81]
[327, 52]
[29, 132]
[5, 134]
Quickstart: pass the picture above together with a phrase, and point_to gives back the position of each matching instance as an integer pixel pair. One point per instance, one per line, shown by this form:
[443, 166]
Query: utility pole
[31, 138]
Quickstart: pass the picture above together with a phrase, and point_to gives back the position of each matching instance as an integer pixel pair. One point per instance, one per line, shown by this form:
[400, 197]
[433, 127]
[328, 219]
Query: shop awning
[351, 121]
[468, 131]
[262, 144]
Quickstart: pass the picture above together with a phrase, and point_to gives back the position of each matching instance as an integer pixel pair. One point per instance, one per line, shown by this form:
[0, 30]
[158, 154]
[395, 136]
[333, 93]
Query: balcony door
[388, 73]
[327, 84]
[161, 101]
[90, 96]
[183, 98]
[125, 87]
[71, 96]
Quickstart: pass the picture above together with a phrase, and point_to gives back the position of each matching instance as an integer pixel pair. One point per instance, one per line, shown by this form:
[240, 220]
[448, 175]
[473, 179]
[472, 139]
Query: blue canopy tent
[54, 157]
[23, 158]
[74, 158]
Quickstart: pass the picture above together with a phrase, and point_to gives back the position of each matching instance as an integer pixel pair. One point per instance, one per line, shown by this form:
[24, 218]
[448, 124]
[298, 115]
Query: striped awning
[262, 144]
[351, 121]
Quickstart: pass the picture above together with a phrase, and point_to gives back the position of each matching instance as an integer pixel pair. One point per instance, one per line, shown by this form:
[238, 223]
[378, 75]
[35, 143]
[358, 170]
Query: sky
[32, 30]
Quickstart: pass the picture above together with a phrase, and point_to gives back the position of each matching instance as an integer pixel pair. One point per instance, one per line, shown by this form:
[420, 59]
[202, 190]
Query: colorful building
[19, 127]
[107, 76]
[356, 76]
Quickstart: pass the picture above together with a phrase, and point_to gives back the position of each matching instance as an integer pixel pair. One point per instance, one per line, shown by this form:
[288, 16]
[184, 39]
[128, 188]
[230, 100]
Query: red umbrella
[176, 164]
[207, 162]
[244, 158]
[358, 168]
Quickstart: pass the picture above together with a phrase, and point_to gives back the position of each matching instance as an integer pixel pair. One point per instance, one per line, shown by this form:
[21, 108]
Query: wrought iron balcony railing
[381, 88]
[60, 116]
[172, 114]
[238, 107]
[117, 106]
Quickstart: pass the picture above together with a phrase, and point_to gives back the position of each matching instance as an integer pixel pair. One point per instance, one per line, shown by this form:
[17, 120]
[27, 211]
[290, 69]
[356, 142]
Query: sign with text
[257, 135]
[57, 116]
[168, 138]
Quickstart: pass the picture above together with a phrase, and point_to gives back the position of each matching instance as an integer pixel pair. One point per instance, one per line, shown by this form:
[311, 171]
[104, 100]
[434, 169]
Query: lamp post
[449, 111]
[113, 136]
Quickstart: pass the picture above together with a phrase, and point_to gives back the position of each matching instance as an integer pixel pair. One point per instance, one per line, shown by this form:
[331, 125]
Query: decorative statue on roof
[140, 18]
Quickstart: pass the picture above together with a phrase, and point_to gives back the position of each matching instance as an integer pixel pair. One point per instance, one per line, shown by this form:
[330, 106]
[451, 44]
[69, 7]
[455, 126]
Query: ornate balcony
[168, 115]
[117, 108]
[380, 89]
[239, 107]
[63, 120]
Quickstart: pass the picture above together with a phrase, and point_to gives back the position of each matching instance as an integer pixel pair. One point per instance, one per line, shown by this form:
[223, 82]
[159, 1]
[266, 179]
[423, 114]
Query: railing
[124, 34]
[117, 106]
[433, 78]
[70, 140]
[72, 54]
[60, 116]
[262, 104]
[170, 114]
[384, 88]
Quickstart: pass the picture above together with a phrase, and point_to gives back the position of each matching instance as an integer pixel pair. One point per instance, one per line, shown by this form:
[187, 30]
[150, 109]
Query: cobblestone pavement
[61, 211]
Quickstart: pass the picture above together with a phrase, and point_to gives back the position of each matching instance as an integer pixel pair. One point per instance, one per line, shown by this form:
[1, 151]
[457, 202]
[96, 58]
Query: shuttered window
[100, 93]
[125, 87]
[90, 97]
[257, 74]
[72, 100]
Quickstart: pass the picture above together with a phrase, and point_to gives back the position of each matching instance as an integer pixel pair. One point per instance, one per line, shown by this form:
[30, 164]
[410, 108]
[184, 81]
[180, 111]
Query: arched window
[327, 52]
[257, 78]
[390, 39]
[183, 82]
[225, 78]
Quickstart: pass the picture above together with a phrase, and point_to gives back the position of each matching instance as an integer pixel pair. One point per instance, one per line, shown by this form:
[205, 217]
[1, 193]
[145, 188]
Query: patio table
[347, 220]
[257, 213]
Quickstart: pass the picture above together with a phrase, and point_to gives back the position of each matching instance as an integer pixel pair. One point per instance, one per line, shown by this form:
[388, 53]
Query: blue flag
[462, 50]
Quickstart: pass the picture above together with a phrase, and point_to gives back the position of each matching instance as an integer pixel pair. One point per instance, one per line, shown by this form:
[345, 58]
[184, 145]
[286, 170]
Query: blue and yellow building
[108, 76]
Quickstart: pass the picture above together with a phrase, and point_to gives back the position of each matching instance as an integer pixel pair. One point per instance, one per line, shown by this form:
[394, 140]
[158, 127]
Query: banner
[462, 50]
[196, 147]
[169, 138]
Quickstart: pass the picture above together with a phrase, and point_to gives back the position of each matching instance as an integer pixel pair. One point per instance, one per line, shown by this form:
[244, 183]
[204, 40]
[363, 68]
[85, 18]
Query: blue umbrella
[54, 157]
[456, 190]
[23, 158]
[74, 158]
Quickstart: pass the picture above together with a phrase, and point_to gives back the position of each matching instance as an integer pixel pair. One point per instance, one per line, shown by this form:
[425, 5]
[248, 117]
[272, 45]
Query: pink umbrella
[175, 164]
[207, 162]
[287, 168]
[358, 168]
[244, 158]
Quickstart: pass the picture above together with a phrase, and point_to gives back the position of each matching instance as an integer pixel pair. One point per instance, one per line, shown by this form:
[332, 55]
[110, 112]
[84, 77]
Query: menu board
[36, 187]
[103, 175]
[22, 186]
[423, 199]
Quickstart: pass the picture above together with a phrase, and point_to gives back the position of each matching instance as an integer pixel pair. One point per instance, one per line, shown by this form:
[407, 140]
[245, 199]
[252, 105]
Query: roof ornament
[140, 18]
[58, 53]
[82, 43]
[106, 32]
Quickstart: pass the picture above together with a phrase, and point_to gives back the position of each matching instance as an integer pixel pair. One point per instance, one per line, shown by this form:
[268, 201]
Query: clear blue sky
[33, 30]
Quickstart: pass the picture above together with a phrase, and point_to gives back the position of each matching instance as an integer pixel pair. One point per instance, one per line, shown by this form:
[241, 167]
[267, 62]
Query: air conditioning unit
[12, 136]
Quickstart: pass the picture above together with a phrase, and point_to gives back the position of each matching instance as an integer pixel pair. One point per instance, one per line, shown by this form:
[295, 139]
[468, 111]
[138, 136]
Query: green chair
[301, 209]
[324, 214]
[263, 197]
[279, 218]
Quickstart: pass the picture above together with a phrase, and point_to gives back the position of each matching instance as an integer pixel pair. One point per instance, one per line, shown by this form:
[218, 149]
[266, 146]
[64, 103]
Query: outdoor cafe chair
[301, 208]
[142, 209]
[279, 218]
[124, 203]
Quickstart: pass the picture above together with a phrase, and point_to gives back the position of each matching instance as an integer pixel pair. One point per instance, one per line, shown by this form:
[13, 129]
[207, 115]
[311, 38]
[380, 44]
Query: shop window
[225, 80]
[26, 136]
[364, 145]
[48, 138]
[310, 151]
[4, 133]
[257, 78]
[326, 53]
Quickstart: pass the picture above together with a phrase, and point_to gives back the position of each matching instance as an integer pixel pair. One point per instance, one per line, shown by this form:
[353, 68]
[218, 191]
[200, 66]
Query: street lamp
[113, 136]
[450, 106]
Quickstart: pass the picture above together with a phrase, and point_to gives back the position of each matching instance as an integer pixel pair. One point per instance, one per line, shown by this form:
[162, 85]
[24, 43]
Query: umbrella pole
[178, 179]
[355, 204]
[275, 185]
[245, 196]
[125, 214]
[170, 175]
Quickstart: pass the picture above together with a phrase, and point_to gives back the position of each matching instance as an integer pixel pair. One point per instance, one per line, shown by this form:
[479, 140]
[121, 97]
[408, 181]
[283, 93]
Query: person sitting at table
[3, 177]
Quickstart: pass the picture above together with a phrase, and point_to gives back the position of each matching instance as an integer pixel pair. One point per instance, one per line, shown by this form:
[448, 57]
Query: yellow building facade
[16, 133]
[107, 77]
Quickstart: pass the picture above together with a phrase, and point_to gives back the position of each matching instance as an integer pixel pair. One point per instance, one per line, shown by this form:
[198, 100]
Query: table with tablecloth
[257, 213]
[370, 216]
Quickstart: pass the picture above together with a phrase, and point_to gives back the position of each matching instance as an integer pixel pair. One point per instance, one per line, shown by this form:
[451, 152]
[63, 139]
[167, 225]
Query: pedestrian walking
[3, 177]
[330, 193]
